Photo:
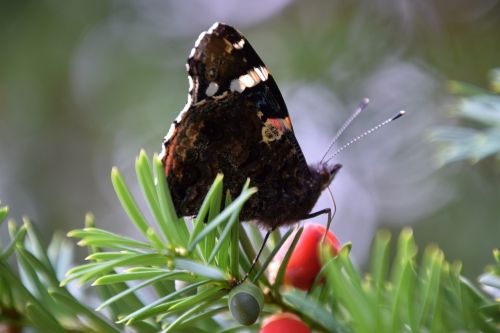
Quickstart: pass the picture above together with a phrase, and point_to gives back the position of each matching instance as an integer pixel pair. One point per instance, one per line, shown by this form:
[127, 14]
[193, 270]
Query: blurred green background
[84, 85]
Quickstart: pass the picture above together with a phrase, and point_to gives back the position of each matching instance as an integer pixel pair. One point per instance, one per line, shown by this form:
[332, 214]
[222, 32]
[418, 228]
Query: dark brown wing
[236, 122]
[223, 61]
[228, 136]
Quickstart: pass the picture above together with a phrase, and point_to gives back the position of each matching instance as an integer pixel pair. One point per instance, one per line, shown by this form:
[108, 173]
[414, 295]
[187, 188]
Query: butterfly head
[327, 173]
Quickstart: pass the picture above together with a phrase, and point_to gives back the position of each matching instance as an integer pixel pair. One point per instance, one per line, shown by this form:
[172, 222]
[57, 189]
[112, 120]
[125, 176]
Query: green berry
[245, 303]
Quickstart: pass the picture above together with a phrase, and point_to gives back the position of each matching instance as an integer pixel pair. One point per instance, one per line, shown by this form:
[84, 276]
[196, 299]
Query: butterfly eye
[327, 174]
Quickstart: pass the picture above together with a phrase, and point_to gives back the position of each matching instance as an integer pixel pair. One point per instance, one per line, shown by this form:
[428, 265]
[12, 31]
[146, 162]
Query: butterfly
[236, 123]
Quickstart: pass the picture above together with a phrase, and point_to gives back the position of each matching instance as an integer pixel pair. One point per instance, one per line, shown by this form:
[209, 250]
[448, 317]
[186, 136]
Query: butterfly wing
[236, 122]
[222, 62]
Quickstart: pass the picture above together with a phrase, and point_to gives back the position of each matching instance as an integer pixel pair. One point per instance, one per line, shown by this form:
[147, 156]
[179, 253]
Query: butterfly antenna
[346, 124]
[373, 129]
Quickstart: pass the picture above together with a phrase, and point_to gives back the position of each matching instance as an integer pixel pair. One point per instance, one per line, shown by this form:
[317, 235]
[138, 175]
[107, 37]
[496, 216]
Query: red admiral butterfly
[236, 123]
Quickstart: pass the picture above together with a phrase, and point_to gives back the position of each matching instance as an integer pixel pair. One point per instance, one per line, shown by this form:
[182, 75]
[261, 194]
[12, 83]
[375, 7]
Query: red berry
[304, 263]
[284, 323]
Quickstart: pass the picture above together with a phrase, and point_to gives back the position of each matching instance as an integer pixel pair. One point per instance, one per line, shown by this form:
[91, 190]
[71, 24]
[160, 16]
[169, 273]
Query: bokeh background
[84, 85]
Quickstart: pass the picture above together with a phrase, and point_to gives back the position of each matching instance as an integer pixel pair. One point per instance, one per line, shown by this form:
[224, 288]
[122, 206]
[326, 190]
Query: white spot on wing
[200, 37]
[191, 84]
[171, 131]
[236, 85]
[184, 110]
[163, 152]
[198, 40]
[180, 115]
[212, 89]
[262, 73]
[213, 27]
[239, 45]
[249, 80]
[191, 54]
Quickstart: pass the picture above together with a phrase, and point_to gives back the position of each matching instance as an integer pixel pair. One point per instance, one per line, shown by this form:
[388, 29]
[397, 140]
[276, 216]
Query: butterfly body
[236, 123]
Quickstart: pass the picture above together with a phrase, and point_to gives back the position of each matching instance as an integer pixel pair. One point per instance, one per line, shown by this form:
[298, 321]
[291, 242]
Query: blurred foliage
[472, 135]
[406, 296]
[137, 281]
[479, 135]
[30, 291]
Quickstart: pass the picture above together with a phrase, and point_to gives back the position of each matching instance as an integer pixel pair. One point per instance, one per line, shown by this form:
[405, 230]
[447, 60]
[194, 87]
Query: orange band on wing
[276, 123]
[288, 123]
[281, 124]
[169, 158]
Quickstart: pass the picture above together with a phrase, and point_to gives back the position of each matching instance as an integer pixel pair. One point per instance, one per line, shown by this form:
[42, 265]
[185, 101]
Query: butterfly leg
[321, 212]
[327, 211]
[254, 261]
[318, 213]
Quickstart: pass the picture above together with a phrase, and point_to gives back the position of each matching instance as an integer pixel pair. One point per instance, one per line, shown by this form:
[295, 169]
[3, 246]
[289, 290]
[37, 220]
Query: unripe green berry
[245, 303]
